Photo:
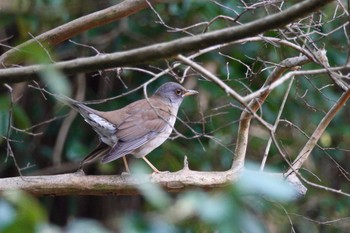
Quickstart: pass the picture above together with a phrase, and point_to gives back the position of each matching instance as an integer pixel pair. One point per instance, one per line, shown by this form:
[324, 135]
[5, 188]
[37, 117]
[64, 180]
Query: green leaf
[152, 192]
[56, 81]
[20, 118]
[30, 213]
[86, 226]
[267, 184]
[7, 214]
[4, 114]
[4, 121]
[76, 149]
[211, 208]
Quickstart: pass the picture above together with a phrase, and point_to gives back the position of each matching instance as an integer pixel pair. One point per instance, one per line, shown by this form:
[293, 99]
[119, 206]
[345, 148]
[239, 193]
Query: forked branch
[168, 49]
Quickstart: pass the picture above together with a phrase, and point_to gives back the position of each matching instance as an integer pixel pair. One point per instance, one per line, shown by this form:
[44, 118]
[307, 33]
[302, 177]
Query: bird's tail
[74, 104]
[101, 150]
[66, 100]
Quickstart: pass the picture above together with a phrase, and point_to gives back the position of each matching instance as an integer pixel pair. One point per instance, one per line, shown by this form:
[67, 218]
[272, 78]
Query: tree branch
[311, 143]
[80, 184]
[255, 104]
[168, 49]
[75, 27]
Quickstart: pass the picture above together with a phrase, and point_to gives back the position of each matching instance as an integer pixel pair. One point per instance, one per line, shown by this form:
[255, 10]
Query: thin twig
[277, 120]
[311, 143]
[167, 49]
[8, 133]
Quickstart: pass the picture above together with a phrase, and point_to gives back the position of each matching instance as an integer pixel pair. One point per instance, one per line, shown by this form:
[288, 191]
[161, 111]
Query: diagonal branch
[311, 143]
[255, 104]
[169, 49]
[75, 27]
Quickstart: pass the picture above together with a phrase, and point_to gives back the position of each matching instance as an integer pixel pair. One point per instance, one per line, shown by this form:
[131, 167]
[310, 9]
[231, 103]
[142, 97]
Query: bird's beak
[190, 92]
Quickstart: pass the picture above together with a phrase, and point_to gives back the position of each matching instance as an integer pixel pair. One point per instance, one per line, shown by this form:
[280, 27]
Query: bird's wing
[140, 126]
[142, 119]
[123, 148]
[102, 126]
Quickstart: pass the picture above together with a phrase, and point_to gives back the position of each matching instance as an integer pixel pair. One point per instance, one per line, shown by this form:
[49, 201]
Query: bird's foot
[80, 172]
[160, 172]
[124, 174]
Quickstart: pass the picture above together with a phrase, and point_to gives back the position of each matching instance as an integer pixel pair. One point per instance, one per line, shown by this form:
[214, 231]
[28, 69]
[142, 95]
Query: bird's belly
[155, 142]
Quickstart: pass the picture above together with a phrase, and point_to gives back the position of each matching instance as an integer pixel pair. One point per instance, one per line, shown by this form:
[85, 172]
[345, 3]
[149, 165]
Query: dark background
[211, 113]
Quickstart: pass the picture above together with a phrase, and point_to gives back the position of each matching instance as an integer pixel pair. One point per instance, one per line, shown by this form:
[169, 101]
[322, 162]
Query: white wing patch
[102, 122]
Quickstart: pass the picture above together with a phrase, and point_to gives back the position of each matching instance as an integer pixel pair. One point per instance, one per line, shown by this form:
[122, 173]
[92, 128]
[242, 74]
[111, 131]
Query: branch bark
[75, 27]
[168, 49]
[80, 184]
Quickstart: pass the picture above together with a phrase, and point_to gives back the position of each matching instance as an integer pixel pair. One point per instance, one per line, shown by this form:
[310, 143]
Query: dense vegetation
[40, 136]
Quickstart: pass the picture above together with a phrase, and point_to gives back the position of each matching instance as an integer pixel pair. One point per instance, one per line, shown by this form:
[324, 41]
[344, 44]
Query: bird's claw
[160, 172]
[80, 172]
[125, 174]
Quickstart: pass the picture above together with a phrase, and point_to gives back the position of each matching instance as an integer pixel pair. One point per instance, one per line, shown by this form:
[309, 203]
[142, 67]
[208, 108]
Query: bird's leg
[80, 169]
[126, 165]
[151, 165]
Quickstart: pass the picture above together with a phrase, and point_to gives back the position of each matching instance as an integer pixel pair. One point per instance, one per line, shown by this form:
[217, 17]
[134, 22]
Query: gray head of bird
[173, 92]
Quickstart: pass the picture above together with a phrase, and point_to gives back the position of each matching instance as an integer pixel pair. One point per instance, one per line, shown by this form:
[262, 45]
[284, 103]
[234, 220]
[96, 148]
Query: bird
[136, 129]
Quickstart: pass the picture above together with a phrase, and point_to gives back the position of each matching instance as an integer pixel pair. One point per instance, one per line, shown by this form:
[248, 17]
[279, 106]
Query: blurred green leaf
[48, 228]
[250, 223]
[76, 149]
[137, 223]
[86, 226]
[30, 213]
[269, 185]
[57, 83]
[4, 114]
[152, 192]
[7, 214]
[4, 121]
[211, 208]
[20, 117]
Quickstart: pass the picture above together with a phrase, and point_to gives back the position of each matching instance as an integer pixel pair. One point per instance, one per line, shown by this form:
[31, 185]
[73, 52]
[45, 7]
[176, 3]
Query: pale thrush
[136, 129]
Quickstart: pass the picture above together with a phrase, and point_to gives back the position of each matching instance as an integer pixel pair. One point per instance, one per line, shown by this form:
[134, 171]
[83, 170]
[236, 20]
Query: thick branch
[169, 49]
[75, 27]
[80, 184]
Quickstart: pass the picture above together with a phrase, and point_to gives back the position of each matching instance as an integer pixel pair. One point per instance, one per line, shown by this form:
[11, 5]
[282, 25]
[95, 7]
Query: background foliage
[252, 205]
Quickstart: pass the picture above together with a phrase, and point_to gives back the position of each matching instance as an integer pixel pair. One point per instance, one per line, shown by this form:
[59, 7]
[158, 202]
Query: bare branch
[207, 74]
[79, 184]
[269, 143]
[312, 142]
[169, 49]
[75, 27]
[255, 105]
[8, 133]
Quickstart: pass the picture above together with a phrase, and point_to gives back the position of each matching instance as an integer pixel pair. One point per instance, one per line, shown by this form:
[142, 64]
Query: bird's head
[173, 92]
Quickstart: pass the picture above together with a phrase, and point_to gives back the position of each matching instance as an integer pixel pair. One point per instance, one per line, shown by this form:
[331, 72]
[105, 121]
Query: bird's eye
[178, 92]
